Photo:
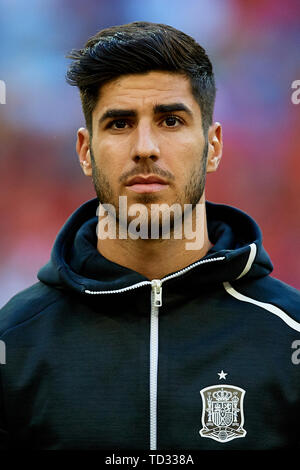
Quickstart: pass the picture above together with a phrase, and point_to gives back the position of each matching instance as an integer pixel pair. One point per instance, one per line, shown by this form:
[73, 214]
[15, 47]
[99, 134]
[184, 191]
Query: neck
[156, 258]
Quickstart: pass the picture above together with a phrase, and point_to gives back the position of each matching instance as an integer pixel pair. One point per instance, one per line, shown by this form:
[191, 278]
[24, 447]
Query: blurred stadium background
[254, 47]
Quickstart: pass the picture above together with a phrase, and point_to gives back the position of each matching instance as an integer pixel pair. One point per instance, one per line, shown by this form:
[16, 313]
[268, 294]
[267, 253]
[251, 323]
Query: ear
[215, 147]
[83, 150]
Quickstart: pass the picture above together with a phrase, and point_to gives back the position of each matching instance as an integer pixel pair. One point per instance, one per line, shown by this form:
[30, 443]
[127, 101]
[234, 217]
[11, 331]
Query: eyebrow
[170, 108]
[117, 113]
[158, 109]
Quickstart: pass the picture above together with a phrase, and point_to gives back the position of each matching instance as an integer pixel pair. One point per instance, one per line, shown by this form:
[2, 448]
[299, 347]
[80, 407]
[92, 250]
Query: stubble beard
[191, 194]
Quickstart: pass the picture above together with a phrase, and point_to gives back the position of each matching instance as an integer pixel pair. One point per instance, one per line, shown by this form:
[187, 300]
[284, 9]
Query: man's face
[148, 127]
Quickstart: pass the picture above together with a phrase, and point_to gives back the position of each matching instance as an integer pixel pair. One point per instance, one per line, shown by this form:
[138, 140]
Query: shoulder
[270, 294]
[27, 304]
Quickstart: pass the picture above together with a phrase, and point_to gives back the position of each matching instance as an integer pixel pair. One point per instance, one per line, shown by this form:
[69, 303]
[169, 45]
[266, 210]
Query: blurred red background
[254, 47]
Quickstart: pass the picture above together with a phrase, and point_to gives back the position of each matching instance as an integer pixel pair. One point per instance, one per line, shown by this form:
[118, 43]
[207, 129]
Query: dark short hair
[138, 48]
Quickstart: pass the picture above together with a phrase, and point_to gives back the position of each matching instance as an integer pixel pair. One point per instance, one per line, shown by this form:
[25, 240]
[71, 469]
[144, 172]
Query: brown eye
[119, 124]
[171, 121]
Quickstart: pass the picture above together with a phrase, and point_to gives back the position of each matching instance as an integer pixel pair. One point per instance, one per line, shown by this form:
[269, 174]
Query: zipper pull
[157, 292]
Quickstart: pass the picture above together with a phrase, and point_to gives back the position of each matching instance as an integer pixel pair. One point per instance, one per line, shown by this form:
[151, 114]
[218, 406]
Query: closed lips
[149, 180]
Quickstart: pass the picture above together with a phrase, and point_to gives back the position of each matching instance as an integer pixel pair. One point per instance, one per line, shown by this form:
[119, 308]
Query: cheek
[183, 155]
[110, 158]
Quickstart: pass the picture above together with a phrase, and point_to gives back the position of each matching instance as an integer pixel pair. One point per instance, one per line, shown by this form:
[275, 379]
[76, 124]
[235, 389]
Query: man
[135, 336]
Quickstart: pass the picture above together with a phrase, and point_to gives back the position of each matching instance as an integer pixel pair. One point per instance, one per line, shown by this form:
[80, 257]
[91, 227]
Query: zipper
[156, 302]
[157, 292]
[149, 283]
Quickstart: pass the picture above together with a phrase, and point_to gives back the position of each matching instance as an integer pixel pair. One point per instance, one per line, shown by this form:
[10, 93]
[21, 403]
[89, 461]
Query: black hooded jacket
[100, 357]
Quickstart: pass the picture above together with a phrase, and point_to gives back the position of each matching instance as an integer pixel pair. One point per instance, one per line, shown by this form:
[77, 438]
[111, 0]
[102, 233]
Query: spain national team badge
[222, 412]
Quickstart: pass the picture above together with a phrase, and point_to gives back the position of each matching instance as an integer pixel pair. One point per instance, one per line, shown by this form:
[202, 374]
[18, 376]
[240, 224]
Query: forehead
[138, 91]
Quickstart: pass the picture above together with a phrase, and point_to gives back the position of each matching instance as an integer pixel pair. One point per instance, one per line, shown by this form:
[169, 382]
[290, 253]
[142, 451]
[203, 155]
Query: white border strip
[270, 307]
[252, 254]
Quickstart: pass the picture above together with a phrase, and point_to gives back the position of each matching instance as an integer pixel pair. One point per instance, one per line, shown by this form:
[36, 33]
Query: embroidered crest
[222, 412]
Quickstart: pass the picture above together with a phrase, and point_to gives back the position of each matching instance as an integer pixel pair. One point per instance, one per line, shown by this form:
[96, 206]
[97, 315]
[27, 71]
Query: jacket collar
[76, 264]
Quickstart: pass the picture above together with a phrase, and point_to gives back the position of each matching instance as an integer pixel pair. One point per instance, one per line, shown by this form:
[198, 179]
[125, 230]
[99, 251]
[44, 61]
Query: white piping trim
[270, 307]
[251, 258]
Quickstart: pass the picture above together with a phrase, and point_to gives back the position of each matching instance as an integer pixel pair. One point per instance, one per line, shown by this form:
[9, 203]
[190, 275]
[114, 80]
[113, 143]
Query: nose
[145, 144]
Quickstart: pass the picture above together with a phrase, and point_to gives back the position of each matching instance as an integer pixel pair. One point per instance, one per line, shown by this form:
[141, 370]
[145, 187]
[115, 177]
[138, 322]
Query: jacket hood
[76, 264]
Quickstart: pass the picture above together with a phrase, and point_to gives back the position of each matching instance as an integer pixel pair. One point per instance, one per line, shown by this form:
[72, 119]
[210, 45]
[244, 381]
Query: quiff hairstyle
[139, 48]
